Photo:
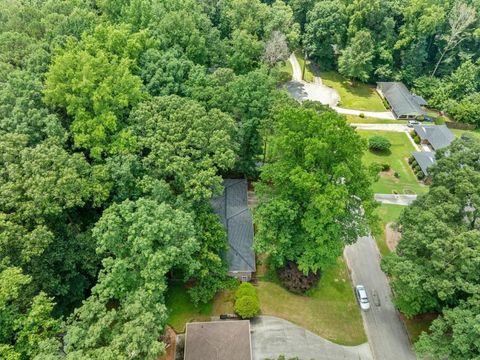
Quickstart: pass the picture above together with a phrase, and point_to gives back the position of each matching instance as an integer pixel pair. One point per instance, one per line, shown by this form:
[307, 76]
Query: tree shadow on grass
[384, 153]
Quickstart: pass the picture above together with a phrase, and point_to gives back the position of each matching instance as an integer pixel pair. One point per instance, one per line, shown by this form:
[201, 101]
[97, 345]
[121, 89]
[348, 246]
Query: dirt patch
[390, 174]
[170, 342]
[393, 236]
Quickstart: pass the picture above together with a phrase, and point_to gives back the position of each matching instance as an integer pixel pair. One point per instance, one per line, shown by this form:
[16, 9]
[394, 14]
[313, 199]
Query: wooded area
[119, 119]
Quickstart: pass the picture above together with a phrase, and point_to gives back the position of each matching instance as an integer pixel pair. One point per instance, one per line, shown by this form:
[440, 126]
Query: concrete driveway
[316, 91]
[395, 199]
[385, 330]
[272, 337]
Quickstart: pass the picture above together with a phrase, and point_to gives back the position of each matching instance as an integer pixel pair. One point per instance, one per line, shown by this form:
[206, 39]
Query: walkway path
[272, 337]
[385, 330]
[316, 91]
[393, 199]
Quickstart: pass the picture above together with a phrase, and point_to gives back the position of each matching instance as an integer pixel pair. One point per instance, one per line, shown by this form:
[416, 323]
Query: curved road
[272, 337]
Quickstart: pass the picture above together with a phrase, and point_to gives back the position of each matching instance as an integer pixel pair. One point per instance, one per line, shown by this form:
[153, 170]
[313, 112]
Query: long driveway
[385, 330]
[393, 199]
[272, 337]
[316, 91]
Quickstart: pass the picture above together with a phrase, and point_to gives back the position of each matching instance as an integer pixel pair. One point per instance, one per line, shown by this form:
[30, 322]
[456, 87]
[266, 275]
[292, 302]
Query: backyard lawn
[330, 310]
[359, 96]
[397, 158]
[459, 133]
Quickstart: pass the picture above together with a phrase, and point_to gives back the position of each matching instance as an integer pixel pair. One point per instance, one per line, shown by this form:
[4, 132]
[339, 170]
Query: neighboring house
[437, 136]
[425, 159]
[218, 340]
[403, 103]
[232, 208]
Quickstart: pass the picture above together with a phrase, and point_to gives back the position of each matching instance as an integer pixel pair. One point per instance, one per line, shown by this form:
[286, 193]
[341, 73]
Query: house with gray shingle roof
[236, 217]
[403, 103]
[424, 159]
[437, 136]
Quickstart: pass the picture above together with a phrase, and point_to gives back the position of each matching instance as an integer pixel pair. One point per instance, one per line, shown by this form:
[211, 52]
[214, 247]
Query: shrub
[420, 175]
[385, 167]
[417, 167]
[379, 143]
[245, 289]
[411, 159]
[397, 175]
[414, 163]
[247, 306]
[296, 281]
[416, 139]
[362, 115]
[440, 120]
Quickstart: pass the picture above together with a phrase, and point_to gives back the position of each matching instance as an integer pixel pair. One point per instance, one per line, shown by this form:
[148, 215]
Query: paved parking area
[272, 337]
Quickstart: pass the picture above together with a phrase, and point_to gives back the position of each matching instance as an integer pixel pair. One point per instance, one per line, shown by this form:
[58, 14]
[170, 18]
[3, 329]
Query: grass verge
[353, 119]
[308, 75]
[386, 213]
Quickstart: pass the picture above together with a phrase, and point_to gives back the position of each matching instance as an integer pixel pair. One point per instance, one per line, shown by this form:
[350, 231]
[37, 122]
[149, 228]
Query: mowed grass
[286, 67]
[182, 310]
[353, 119]
[386, 213]
[330, 310]
[397, 158]
[308, 74]
[356, 95]
[458, 133]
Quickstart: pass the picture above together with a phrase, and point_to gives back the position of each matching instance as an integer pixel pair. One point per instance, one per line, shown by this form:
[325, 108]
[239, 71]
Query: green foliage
[440, 120]
[317, 163]
[184, 144]
[356, 60]
[379, 143]
[93, 82]
[245, 289]
[247, 304]
[433, 268]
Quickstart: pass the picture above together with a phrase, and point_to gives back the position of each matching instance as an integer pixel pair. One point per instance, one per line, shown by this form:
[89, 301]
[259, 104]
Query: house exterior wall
[241, 275]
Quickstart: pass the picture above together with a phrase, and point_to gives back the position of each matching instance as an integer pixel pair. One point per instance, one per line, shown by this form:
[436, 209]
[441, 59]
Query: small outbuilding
[437, 136]
[235, 215]
[403, 103]
[218, 340]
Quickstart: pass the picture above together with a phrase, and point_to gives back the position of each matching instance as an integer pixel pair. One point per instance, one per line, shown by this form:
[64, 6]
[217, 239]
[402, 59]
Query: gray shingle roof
[438, 136]
[425, 159]
[218, 340]
[232, 208]
[402, 101]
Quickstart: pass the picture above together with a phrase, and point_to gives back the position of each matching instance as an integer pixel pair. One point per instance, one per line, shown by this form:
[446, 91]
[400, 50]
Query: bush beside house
[247, 304]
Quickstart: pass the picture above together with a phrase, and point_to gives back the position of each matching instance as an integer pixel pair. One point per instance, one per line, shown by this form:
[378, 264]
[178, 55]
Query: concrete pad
[272, 337]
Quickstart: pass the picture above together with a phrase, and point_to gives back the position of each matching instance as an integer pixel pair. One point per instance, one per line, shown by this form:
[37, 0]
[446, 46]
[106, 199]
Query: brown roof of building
[218, 340]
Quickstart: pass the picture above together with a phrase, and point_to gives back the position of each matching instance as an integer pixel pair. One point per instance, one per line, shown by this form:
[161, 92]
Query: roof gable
[438, 136]
[232, 208]
[400, 99]
[425, 159]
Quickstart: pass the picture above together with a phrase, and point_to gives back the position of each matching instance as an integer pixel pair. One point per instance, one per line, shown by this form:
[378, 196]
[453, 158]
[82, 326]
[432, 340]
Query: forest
[119, 119]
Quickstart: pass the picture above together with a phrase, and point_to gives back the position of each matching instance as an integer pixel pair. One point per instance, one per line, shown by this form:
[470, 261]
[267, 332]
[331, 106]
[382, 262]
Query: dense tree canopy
[435, 266]
[315, 193]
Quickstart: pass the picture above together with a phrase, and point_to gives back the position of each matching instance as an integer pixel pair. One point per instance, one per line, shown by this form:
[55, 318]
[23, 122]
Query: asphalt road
[272, 337]
[386, 333]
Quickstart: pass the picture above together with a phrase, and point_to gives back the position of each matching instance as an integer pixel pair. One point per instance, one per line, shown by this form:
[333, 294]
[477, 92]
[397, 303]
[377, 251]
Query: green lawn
[397, 157]
[474, 133]
[353, 119]
[329, 310]
[386, 213]
[356, 96]
[308, 75]
[182, 310]
[286, 67]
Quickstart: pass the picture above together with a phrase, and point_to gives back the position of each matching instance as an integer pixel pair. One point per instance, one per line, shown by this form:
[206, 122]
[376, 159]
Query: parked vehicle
[362, 297]
[410, 123]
